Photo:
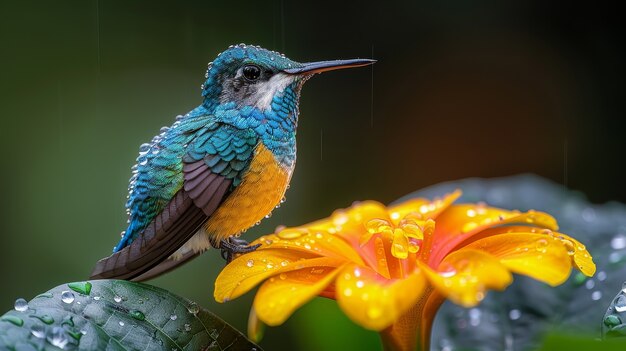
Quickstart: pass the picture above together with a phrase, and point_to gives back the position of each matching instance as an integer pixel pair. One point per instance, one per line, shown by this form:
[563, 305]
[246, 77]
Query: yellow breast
[261, 189]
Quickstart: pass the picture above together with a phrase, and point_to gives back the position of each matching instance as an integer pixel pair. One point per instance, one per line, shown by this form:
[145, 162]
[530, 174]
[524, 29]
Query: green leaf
[116, 315]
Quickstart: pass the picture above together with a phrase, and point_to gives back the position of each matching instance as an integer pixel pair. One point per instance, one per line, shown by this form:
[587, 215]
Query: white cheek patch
[266, 90]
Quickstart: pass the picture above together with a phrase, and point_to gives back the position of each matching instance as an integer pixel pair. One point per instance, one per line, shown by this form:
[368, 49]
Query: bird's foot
[233, 246]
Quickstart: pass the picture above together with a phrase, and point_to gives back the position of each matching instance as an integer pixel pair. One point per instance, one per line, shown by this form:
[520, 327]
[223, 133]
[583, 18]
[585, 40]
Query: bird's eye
[251, 72]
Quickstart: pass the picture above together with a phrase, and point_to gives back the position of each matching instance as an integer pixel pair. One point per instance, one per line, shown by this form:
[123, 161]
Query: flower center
[406, 235]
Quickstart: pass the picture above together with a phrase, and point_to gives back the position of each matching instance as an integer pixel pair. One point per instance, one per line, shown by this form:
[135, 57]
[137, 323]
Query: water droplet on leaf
[57, 337]
[193, 308]
[38, 331]
[515, 314]
[13, 320]
[620, 304]
[20, 305]
[67, 296]
[612, 321]
[81, 287]
[138, 315]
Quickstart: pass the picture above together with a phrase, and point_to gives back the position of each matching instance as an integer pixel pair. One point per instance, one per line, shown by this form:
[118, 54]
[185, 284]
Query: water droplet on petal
[569, 246]
[289, 234]
[20, 305]
[541, 245]
[469, 226]
[67, 296]
[360, 284]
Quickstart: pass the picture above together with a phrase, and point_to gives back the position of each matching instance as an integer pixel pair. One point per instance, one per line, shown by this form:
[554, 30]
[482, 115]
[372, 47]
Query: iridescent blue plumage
[250, 104]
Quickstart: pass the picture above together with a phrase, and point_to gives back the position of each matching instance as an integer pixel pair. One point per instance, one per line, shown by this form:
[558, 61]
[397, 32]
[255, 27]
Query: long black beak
[323, 66]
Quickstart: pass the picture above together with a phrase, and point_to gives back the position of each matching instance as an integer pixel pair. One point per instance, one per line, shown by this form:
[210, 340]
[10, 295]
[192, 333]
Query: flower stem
[412, 331]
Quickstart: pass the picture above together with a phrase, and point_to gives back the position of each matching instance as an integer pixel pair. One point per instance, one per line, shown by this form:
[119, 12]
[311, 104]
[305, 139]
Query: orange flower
[390, 268]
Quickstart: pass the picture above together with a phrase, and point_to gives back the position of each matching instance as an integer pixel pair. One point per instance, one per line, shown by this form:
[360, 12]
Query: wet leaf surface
[115, 315]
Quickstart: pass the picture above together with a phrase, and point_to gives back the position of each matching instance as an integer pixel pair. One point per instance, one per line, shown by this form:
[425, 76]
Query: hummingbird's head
[252, 76]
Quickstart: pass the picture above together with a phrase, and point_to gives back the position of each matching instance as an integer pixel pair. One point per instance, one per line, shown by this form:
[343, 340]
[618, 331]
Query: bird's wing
[228, 155]
[213, 165]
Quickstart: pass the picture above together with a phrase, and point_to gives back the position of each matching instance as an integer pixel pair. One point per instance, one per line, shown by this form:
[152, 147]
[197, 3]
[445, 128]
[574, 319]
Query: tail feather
[176, 224]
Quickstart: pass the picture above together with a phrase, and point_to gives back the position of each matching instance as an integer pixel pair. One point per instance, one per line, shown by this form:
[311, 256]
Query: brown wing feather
[182, 217]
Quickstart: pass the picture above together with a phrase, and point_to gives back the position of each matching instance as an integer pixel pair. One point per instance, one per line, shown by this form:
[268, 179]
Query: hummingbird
[217, 170]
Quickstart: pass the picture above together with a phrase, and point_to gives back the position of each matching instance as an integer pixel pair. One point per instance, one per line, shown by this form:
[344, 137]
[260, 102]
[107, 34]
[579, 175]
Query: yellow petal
[352, 217]
[539, 256]
[248, 270]
[425, 208]
[465, 275]
[460, 222]
[373, 301]
[578, 252]
[309, 241]
[281, 295]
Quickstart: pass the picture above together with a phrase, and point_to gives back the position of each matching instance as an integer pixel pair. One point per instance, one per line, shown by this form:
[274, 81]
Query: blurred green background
[483, 88]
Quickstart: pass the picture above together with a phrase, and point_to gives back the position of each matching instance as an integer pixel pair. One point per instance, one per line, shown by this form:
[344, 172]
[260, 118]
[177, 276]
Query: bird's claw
[232, 246]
